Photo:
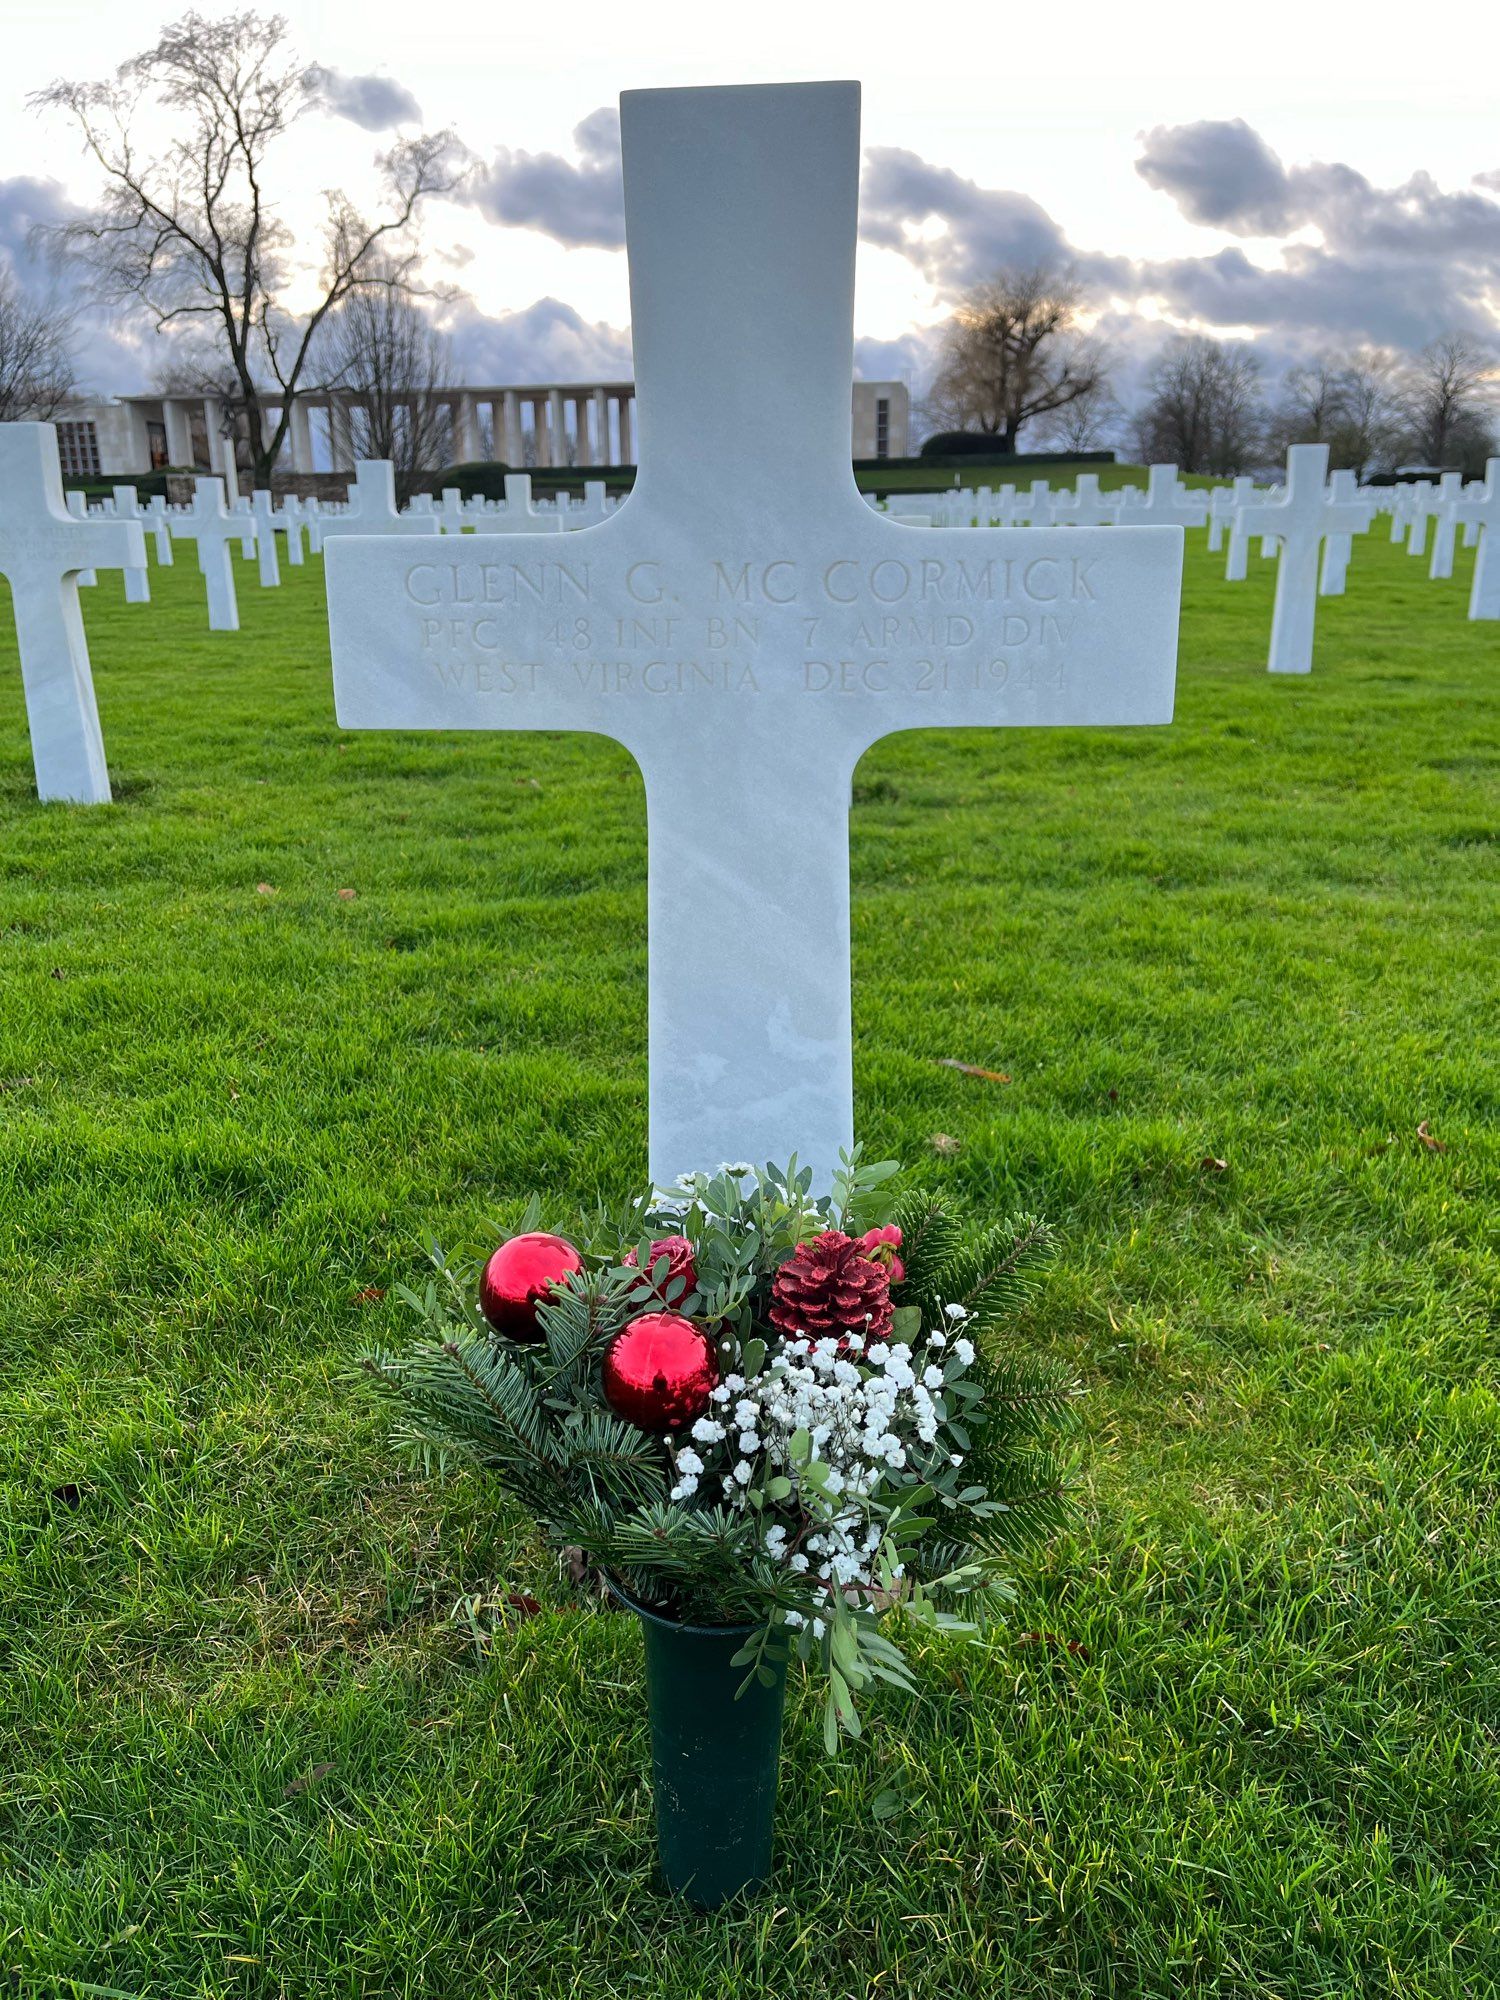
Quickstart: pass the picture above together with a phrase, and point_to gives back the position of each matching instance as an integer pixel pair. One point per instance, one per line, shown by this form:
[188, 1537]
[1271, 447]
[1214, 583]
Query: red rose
[678, 1252]
[880, 1246]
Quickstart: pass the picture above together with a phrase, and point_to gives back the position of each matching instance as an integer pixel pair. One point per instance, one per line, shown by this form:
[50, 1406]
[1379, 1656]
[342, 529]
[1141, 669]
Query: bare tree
[1445, 404]
[382, 345]
[1091, 421]
[1013, 352]
[1203, 409]
[185, 136]
[1362, 438]
[36, 355]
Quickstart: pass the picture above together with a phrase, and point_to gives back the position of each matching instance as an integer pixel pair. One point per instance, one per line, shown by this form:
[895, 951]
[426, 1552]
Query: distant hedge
[983, 444]
[148, 485]
[484, 478]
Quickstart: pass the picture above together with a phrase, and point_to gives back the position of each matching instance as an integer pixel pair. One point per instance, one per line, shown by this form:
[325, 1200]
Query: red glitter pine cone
[829, 1288]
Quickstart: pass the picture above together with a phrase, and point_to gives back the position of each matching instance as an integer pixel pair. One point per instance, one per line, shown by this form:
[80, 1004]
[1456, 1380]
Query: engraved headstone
[1298, 518]
[746, 633]
[42, 549]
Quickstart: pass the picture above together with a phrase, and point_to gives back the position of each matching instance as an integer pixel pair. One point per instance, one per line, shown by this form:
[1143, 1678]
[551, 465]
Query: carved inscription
[895, 625]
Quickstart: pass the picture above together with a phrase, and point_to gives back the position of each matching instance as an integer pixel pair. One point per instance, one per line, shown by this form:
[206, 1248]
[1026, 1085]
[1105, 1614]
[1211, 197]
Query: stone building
[538, 424]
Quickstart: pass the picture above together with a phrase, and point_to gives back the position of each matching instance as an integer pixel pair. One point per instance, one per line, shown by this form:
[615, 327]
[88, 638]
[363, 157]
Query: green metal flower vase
[714, 1758]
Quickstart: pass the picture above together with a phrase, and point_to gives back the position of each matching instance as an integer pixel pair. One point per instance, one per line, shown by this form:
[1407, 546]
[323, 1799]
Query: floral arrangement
[744, 1405]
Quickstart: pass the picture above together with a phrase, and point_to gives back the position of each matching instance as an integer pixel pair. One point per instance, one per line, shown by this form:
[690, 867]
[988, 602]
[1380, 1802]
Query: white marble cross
[1299, 517]
[450, 511]
[127, 507]
[262, 510]
[1449, 491]
[1479, 507]
[1167, 499]
[1338, 548]
[1419, 511]
[1087, 506]
[210, 524]
[42, 549]
[1237, 560]
[593, 508]
[77, 504]
[519, 516]
[292, 520]
[372, 507]
[159, 521]
[746, 635]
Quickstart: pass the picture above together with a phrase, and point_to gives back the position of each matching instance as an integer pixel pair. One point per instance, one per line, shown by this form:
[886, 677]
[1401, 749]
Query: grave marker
[210, 524]
[372, 508]
[42, 549]
[262, 512]
[747, 636]
[1337, 549]
[1479, 507]
[1449, 491]
[1299, 519]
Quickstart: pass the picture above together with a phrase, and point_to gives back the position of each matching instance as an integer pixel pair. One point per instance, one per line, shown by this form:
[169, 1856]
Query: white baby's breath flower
[964, 1349]
[956, 1311]
[743, 1472]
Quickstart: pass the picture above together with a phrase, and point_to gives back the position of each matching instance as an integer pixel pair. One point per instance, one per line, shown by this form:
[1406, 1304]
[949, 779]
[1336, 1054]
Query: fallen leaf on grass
[973, 1069]
[308, 1778]
[1054, 1642]
[535, 783]
[370, 1295]
[347, 895]
[264, 889]
[1432, 1145]
[946, 1144]
[522, 1605]
[1212, 1166]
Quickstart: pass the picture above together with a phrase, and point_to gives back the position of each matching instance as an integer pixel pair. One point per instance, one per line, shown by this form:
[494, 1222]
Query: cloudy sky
[1307, 175]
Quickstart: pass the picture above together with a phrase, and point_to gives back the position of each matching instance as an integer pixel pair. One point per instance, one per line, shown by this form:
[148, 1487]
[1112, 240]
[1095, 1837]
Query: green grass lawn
[1241, 1738]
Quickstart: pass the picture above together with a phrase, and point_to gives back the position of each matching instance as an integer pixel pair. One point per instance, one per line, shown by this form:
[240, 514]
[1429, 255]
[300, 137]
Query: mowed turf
[302, 995]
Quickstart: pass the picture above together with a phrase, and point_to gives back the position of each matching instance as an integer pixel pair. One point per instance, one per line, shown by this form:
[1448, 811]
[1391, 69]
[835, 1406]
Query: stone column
[557, 428]
[340, 436]
[600, 428]
[627, 447]
[300, 435]
[508, 442]
[465, 430]
[179, 431]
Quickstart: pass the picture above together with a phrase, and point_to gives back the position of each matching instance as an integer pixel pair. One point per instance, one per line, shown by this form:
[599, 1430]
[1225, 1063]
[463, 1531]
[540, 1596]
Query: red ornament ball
[519, 1276]
[658, 1372]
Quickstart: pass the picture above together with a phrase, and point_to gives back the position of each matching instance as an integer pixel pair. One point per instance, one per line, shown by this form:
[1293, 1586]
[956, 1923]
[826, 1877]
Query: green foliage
[533, 1416]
